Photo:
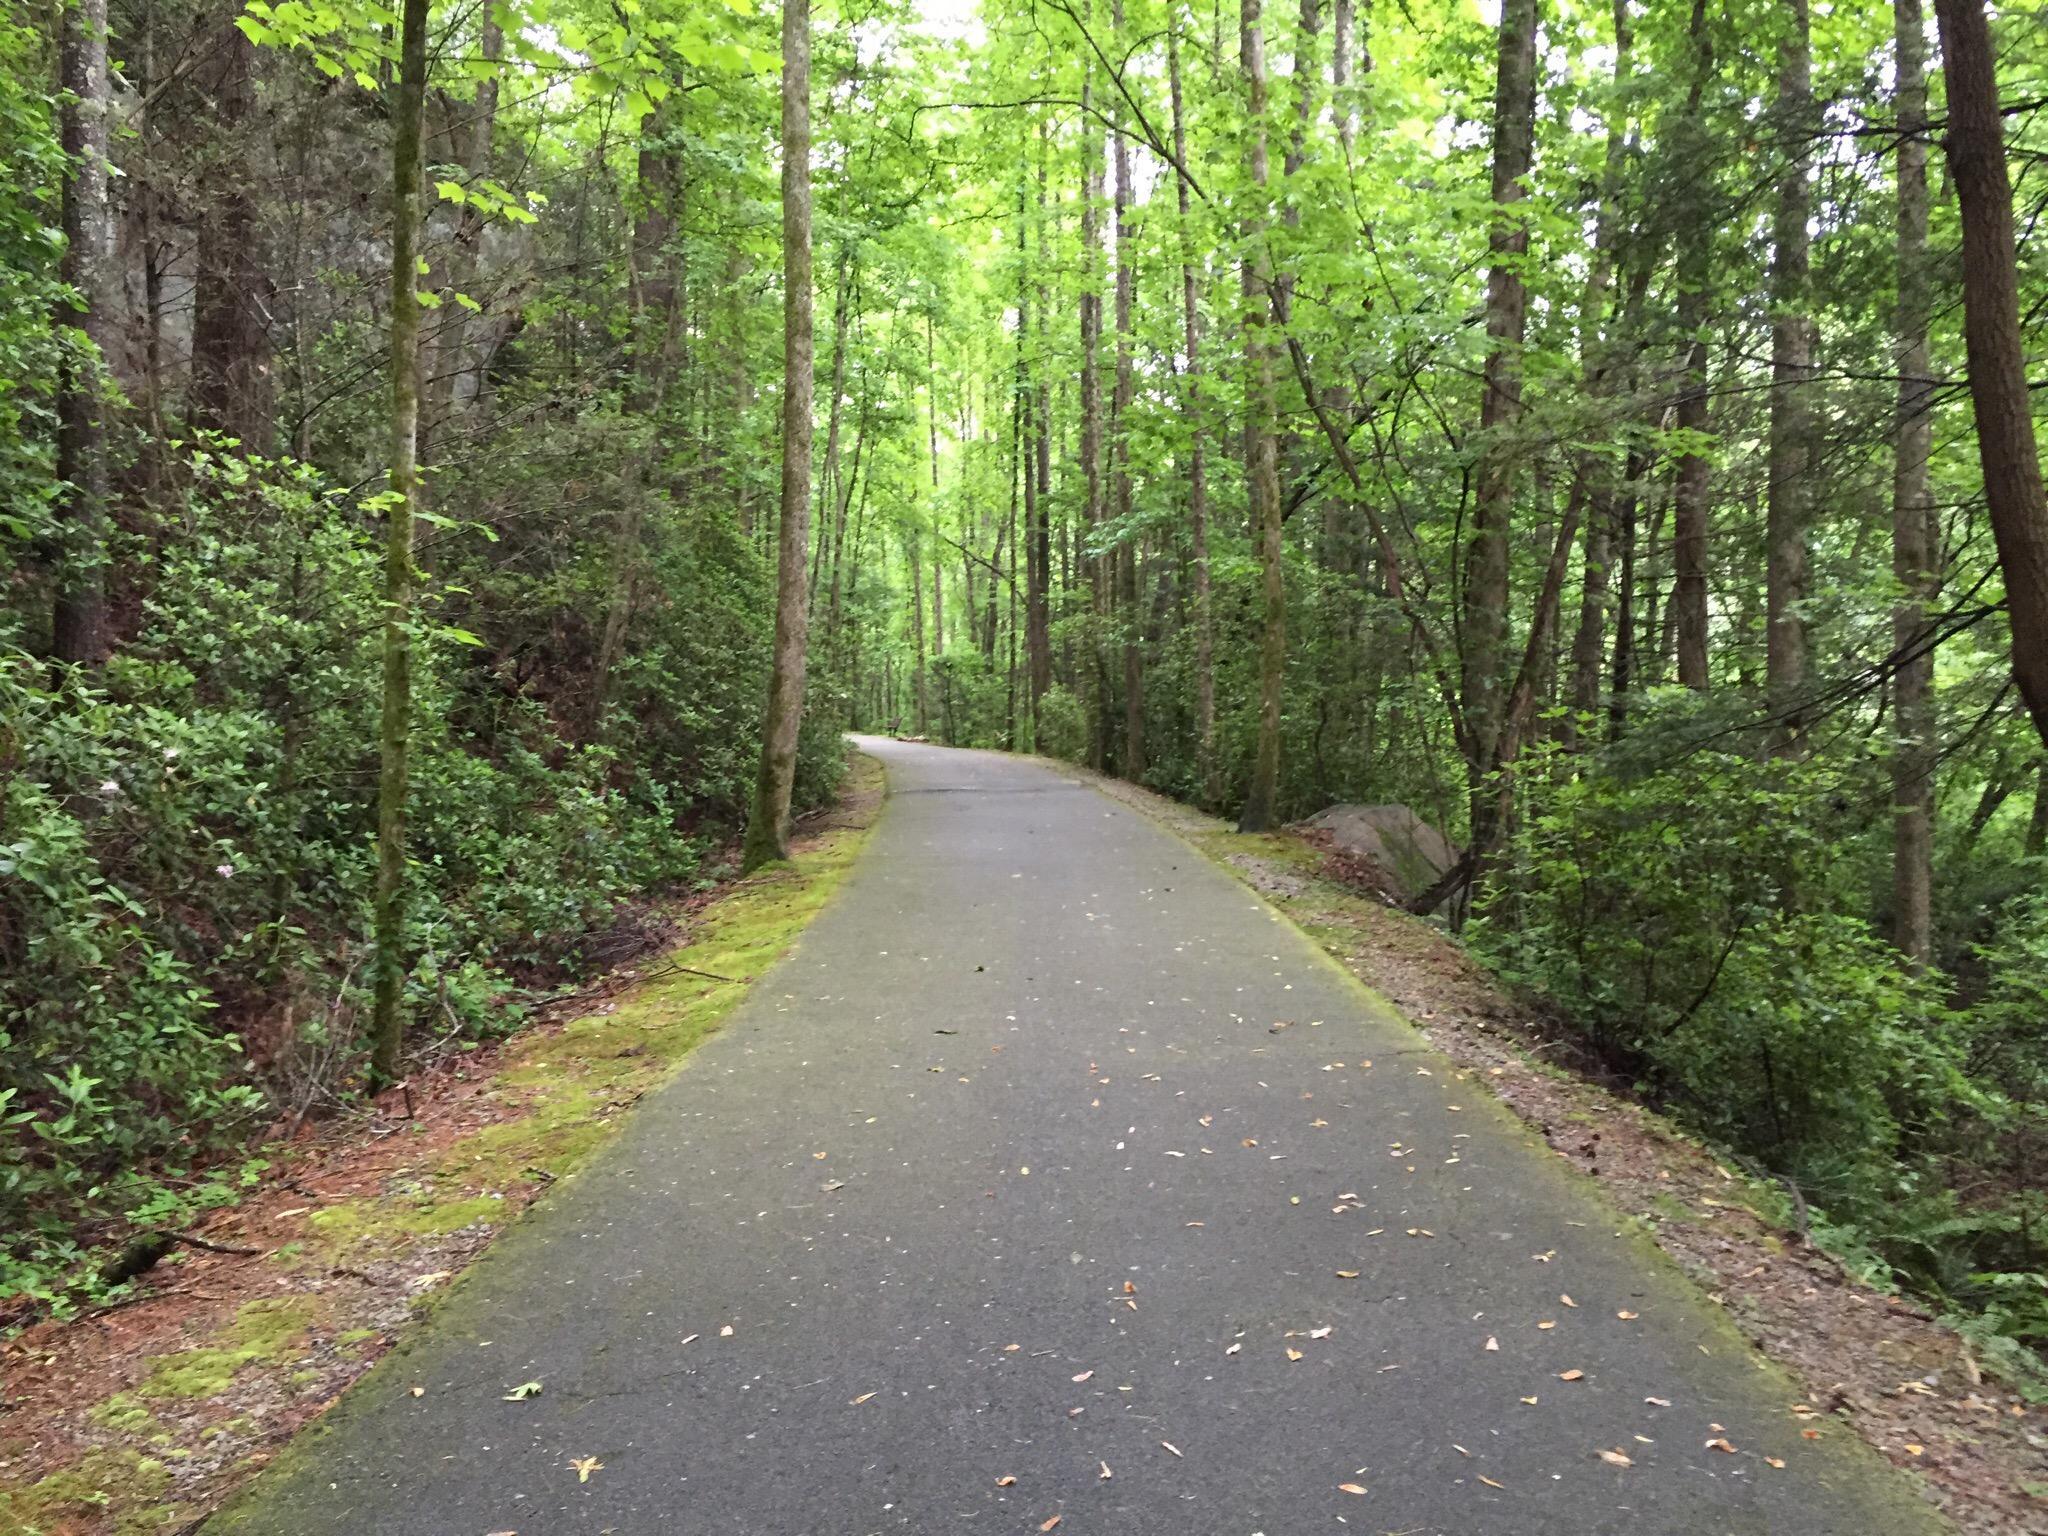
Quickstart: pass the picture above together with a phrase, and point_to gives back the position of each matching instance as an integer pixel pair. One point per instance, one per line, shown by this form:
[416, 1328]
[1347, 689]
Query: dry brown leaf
[1006, 1482]
[1772, 1461]
[1626, 1316]
[1350, 1488]
[725, 1332]
[1106, 1473]
[1293, 1354]
[1617, 1458]
[1567, 1301]
[1546, 1327]
[1720, 1444]
[1573, 1375]
[1347, 1274]
[1530, 1401]
[861, 1399]
[1320, 1333]
[1658, 1402]
[1084, 1376]
[1169, 1446]
[1049, 1524]
[419, 1391]
[1491, 1483]
[1493, 1344]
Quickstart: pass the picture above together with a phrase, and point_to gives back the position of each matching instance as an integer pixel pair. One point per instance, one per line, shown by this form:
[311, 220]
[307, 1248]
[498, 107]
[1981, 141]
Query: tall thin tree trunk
[1094, 675]
[1789, 505]
[920, 696]
[1485, 604]
[387, 1031]
[232, 391]
[1994, 344]
[1132, 766]
[768, 826]
[445, 384]
[1692, 488]
[1198, 447]
[1914, 543]
[931, 376]
[1262, 449]
[652, 303]
[842, 288]
[1597, 348]
[78, 626]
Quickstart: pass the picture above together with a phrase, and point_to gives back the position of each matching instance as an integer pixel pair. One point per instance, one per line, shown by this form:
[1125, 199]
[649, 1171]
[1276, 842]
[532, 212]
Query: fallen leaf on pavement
[1006, 1482]
[1168, 1445]
[1617, 1458]
[1493, 1344]
[585, 1465]
[1049, 1524]
[523, 1391]
[1571, 1375]
[1350, 1488]
[1720, 1444]
[861, 1399]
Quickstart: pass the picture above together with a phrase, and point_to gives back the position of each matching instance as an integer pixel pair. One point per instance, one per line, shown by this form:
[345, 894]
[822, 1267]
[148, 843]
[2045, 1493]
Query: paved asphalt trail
[1006, 1174]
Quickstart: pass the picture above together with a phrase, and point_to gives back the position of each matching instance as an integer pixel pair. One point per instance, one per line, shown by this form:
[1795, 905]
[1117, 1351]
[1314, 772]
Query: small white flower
[224, 870]
[109, 788]
[170, 754]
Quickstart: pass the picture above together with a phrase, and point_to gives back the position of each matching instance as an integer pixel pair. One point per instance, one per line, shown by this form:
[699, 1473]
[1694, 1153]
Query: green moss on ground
[271, 1330]
[117, 1490]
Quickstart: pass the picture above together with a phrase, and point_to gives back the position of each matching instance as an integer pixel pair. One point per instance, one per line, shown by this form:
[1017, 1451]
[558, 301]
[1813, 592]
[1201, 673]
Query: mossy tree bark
[395, 724]
[768, 828]
[1994, 343]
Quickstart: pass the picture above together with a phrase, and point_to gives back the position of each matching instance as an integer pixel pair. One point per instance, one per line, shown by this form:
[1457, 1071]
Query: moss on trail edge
[340, 1277]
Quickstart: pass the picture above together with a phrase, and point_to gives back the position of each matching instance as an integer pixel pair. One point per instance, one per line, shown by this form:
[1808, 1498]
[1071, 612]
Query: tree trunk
[931, 385]
[830, 478]
[78, 624]
[651, 302]
[1262, 468]
[1095, 682]
[1789, 507]
[447, 393]
[1198, 448]
[232, 391]
[1994, 343]
[768, 827]
[1691, 488]
[1597, 349]
[1132, 766]
[1486, 563]
[1915, 562]
[387, 1031]
[920, 697]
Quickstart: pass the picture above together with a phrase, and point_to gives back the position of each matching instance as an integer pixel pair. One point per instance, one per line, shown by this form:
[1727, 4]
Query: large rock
[1407, 850]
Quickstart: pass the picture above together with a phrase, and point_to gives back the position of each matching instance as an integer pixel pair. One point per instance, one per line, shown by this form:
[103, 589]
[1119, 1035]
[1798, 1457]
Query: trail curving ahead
[1080, 1205]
